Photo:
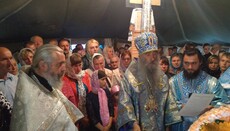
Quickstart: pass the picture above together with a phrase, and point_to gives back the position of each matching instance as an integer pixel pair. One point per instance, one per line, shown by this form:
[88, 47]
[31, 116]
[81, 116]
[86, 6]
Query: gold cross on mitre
[154, 2]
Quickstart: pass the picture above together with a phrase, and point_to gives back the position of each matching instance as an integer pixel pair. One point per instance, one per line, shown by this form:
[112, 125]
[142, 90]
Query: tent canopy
[177, 21]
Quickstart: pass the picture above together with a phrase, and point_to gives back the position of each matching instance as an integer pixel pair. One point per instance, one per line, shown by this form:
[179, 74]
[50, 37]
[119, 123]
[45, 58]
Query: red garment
[69, 88]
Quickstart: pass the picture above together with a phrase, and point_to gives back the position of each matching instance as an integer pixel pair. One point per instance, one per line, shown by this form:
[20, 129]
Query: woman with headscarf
[26, 56]
[213, 66]
[176, 63]
[99, 103]
[98, 63]
[76, 85]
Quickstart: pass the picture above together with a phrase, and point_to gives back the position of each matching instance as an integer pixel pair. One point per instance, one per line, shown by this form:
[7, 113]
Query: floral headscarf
[103, 101]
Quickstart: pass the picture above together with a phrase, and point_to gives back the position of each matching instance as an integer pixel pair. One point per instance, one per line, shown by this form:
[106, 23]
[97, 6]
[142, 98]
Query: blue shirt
[8, 87]
[225, 81]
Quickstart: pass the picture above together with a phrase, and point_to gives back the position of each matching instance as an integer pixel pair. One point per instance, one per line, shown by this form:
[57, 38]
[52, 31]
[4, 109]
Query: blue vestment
[202, 84]
[225, 81]
[134, 103]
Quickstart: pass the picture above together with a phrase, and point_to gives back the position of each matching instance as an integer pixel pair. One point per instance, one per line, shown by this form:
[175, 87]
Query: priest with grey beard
[39, 105]
[193, 80]
[145, 100]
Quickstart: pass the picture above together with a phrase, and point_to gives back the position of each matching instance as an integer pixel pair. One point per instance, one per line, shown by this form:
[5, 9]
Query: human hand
[206, 109]
[85, 121]
[182, 105]
[106, 128]
[136, 127]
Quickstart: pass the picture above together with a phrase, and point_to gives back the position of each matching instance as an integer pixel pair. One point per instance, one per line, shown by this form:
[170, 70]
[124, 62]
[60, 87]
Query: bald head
[114, 62]
[3, 49]
[37, 40]
[3, 52]
[6, 61]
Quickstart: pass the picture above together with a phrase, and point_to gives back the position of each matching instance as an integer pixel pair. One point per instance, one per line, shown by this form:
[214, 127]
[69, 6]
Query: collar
[42, 80]
[8, 77]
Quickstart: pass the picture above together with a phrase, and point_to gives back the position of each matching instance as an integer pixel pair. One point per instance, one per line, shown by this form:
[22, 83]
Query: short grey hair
[45, 53]
[33, 37]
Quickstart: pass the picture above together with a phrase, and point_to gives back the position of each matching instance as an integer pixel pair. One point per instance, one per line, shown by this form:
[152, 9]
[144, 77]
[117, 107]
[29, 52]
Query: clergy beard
[150, 72]
[191, 75]
[55, 80]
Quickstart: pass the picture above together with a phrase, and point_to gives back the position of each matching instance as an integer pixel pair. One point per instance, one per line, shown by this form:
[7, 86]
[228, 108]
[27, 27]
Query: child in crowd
[99, 103]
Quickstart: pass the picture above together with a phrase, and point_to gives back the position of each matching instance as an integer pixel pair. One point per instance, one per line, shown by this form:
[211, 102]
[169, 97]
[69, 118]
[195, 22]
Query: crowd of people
[212, 63]
[50, 87]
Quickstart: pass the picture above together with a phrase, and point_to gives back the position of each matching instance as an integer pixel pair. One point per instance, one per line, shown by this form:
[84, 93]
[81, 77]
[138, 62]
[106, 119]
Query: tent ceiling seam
[66, 13]
[178, 18]
[21, 7]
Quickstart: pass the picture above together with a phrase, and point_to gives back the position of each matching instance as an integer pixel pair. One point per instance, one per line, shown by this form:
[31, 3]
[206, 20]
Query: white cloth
[135, 18]
[117, 76]
[36, 108]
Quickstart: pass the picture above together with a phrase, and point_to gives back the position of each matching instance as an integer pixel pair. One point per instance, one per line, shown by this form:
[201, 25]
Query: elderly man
[64, 44]
[39, 105]
[37, 40]
[145, 100]
[194, 80]
[117, 72]
[114, 62]
[8, 83]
